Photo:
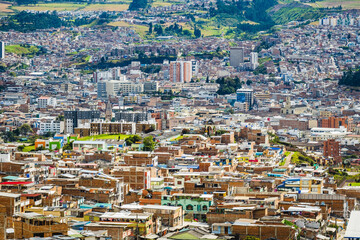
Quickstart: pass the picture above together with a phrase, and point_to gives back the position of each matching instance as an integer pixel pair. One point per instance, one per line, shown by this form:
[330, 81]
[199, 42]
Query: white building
[254, 60]
[114, 87]
[51, 125]
[44, 102]
[2, 50]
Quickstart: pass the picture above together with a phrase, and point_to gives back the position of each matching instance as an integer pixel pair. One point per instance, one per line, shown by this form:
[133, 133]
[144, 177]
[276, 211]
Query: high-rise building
[254, 60]
[332, 149]
[180, 71]
[76, 118]
[2, 50]
[245, 95]
[236, 56]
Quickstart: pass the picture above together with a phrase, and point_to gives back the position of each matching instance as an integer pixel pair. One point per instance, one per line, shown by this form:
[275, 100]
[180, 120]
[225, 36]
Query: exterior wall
[3, 223]
[332, 149]
[263, 232]
[26, 230]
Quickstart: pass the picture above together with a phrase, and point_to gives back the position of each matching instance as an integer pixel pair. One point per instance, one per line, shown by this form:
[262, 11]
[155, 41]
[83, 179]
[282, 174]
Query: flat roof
[12, 195]
[353, 230]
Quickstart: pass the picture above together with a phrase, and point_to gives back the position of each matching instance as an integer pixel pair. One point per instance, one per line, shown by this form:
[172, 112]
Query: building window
[189, 207]
[204, 208]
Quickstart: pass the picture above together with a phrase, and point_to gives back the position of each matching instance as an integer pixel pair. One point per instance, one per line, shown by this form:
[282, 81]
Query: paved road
[288, 159]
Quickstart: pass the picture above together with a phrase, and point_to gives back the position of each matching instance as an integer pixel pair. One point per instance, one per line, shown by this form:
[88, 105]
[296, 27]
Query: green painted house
[196, 205]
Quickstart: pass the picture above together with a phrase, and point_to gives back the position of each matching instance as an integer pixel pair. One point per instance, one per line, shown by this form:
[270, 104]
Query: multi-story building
[44, 102]
[51, 125]
[132, 116]
[196, 205]
[236, 56]
[180, 71]
[135, 177]
[29, 225]
[304, 185]
[97, 128]
[140, 159]
[245, 95]
[336, 122]
[2, 50]
[332, 150]
[77, 118]
[254, 60]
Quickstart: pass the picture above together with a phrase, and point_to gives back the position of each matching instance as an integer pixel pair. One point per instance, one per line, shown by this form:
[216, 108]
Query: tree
[251, 238]
[21, 148]
[132, 139]
[248, 82]
[150, 28]
[60, 118]
[185, 131]
[138, 4]
[197, 32]
[158, 29]
[149, 144]
[25, 129]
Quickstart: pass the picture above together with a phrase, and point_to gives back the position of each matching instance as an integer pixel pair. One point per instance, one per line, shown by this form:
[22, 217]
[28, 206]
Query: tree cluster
[27, 22]
[350, 78]
[138, 4]
[228, 85]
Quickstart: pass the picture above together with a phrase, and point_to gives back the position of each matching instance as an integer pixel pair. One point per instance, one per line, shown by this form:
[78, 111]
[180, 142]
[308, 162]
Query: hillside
[284, 13]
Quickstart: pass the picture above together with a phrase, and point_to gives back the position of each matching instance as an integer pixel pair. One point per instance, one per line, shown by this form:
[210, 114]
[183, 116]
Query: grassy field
[19, 50]
[28, 148]
[51, 7]
[104, 136]
[4, 7]
[347, 4]
[354, 184]
[106, 7]
[140, 29]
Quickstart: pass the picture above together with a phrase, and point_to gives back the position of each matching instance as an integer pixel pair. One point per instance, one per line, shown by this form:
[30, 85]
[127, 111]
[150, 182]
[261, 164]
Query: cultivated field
[140, 29]
[51, 7]
[346, 4]
[4, 7]
[106, 7]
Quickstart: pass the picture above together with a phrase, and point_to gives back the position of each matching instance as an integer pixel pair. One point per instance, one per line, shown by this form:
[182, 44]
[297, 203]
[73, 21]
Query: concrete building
[245, 95]
[332, 150]
[353, 230]
[254, 60]
[132, 116]
[50, 125]
[2, 50]
[236, 56]
[44, 102]
[180, 71]
[76, 118]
